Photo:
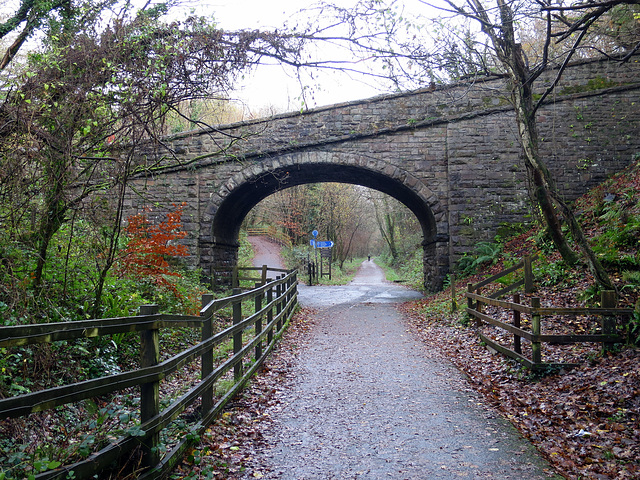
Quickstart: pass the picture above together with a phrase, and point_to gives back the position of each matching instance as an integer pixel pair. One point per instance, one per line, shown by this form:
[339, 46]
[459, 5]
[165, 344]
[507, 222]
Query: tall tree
[499, 23]
[33, 16]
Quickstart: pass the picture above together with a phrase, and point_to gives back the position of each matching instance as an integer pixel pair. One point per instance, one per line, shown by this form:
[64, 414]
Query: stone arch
[245, 189]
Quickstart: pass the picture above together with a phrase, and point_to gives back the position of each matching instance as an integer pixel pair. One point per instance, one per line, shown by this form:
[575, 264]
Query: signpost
[325, 252]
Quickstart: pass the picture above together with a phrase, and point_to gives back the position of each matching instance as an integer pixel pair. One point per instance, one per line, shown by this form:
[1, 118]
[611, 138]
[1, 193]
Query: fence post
[207, 356]
[288, 296]
[470, 300]
[235, 282]
[517, 339]
[294, 281]
[478, 309]
[237, 337]
[608, 299]
[258, 327]
[150, 391]
[536, 350]
[264, 275]
[269, 311]
[528, 274]
[279, 304]
[454, 305]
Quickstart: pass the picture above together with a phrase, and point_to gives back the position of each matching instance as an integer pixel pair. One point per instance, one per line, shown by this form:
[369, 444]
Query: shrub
[484, 253]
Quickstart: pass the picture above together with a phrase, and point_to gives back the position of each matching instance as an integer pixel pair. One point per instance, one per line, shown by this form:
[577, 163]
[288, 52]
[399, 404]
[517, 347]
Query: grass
[390, 273]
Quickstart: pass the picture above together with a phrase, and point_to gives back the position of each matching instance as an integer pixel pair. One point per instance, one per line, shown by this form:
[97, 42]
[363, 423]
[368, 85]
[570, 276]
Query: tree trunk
[539, 175]
[55, 208]
[511, 56]
[545, 191]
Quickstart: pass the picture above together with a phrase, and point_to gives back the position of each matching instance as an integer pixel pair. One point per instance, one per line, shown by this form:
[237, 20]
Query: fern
[485, 252]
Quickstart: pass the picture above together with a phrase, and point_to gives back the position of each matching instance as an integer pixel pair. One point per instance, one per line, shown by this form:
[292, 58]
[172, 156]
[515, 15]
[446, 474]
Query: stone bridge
[450, 154]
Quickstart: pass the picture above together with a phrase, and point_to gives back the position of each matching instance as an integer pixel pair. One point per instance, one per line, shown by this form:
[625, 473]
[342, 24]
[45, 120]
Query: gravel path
[367, 400]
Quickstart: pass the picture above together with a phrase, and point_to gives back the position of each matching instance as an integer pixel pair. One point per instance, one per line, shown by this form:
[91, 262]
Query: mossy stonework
[449, 154]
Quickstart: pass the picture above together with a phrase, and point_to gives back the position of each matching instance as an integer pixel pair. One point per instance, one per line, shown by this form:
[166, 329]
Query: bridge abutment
[217, 261]
[435, 262]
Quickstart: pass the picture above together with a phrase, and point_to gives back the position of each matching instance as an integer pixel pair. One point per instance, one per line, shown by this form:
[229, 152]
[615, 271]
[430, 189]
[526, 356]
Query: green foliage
[19, 461]
[631, 279]
[612, 211]
[407, 267]
[68, 282]
[390, 274]
[617, 244]
[542, 241]
[485, 253]
[550, 273]
[341, 276]
[245, 252]
[591, 295]
[597, 83]
[297, 257]
[411, 270]
[508, 230]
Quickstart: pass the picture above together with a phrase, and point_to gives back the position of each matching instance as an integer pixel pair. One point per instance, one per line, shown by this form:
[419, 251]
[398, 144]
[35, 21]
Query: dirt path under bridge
[353, 394]
[266, 252]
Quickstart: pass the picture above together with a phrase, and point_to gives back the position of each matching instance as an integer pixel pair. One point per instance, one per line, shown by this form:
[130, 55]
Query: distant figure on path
[369, 257]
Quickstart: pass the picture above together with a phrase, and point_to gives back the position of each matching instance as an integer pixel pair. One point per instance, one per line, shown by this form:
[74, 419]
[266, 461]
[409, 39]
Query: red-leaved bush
[149, 247]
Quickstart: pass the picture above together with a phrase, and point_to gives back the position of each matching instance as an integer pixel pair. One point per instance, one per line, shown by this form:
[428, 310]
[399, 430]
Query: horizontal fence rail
[239, 276]
[272, 232]
[535, 313]
[273, 303]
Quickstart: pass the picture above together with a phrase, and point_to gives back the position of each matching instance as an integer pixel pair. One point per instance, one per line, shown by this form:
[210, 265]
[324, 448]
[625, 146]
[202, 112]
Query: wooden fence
[239, 276]
[273, 233]
[273, 305]
[476, 303]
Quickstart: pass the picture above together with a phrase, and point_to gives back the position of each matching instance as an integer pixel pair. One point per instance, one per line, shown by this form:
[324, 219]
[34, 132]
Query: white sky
[271, 85]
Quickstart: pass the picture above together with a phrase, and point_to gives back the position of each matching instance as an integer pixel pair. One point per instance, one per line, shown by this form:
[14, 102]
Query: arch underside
[239, 202]
[248, 192]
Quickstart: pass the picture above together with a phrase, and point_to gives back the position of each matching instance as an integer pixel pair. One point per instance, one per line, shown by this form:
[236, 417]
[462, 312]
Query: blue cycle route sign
[326, 244]
[319, 244]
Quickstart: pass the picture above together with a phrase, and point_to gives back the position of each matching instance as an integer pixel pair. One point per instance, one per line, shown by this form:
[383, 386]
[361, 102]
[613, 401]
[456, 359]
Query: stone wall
[452, 155]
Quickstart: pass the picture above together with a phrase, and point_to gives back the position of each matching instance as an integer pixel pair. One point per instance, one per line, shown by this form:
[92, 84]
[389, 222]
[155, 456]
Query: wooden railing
[273, 305]
[243, 276]
[526, 265]
[271, 232]
[476, 303]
